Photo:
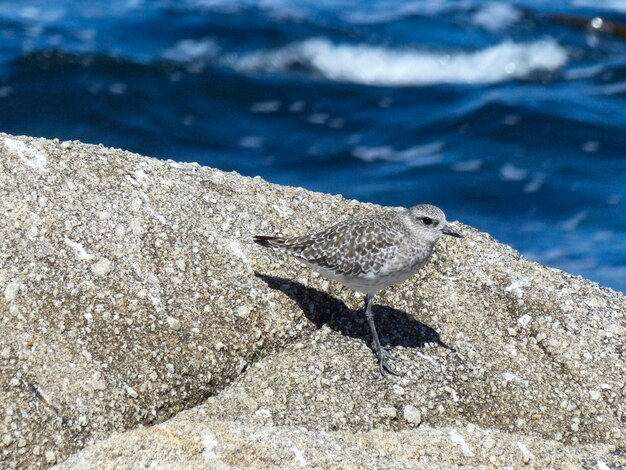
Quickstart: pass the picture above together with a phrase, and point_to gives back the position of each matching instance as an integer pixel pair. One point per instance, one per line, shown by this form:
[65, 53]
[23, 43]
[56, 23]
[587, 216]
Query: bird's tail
[269, 242]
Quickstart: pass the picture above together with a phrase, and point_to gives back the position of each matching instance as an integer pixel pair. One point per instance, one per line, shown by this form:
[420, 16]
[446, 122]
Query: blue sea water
[511, 116]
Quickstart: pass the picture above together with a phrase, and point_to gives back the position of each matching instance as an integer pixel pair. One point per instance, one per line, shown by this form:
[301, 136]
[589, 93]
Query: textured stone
[101, 249]
[186, 445]
[412, 415]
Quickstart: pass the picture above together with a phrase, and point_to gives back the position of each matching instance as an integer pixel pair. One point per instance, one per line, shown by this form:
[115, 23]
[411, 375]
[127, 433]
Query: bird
[369, 253]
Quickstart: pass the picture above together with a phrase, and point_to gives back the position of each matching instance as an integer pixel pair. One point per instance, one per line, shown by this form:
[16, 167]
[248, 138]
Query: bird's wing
[355, 247]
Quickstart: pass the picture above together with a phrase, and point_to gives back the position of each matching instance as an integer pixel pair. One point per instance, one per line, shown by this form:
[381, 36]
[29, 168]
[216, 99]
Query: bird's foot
[388, 355]
[384, 357]
[385, 352]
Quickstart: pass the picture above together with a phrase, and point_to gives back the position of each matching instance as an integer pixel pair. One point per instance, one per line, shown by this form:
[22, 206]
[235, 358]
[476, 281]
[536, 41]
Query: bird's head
[429, 222]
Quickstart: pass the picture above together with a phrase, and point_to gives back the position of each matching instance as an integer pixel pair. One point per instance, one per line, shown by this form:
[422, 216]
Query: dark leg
[383, 354]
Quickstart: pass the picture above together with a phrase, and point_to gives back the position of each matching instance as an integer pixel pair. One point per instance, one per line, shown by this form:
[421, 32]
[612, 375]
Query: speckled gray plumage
[366, 253]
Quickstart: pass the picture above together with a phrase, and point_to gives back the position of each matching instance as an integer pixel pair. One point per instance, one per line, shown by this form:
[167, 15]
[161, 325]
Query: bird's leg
[383, 355]
[369, 302]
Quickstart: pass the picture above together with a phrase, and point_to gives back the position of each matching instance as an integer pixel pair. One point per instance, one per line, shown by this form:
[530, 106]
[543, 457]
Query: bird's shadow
[395, 327]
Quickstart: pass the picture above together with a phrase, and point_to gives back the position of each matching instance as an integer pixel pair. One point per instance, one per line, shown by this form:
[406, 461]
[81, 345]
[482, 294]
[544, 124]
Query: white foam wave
[496, 16]
[615, 5]
[535, 184]
[584, 72]
[383, 66]
[510, 172]
[385, 13]
[265, 106]
[44, 14]
[468, 165]
[419, 155]
[573, 222]
[610, 89]
[191, 49]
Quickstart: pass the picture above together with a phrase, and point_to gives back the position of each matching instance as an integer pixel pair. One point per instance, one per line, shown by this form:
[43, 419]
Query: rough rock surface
[131, 291]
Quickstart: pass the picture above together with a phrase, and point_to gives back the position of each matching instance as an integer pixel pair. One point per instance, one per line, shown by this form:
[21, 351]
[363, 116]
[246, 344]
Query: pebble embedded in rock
[131, 391]
[388, 412]
[173, 323]
[412, 415]
[102, 267]
[488, 443]
[50, 457]
[263, 413]
[11, 291]
[243, 311]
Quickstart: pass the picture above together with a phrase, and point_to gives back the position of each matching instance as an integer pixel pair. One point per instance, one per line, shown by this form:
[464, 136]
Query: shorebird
[370, 253]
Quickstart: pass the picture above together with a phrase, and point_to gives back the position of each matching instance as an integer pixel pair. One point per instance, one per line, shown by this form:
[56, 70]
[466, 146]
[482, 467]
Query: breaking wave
[372, 65]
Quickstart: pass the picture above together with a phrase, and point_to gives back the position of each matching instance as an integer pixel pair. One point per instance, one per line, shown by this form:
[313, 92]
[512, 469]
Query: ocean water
[511, 116]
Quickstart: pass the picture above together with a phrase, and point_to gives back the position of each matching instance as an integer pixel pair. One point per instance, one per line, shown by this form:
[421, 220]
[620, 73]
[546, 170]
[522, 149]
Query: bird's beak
[450, 231]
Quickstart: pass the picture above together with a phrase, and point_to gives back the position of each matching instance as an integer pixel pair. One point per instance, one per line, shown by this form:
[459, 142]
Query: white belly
[370, 282]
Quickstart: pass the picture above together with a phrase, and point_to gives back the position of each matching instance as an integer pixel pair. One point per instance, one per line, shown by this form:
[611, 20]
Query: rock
[102, 267]
[11, 291]
[123, 245]
[173, 323]
[412, 415]
[388, 412]
[188, 445]
[50, 457]
[488, 442]
[243, 311]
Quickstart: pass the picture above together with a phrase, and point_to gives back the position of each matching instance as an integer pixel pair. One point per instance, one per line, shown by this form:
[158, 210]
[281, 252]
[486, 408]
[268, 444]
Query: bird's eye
[427, 220]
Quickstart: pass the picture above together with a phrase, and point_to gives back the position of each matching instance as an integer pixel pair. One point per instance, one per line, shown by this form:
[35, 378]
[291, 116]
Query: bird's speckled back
[354, 247]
